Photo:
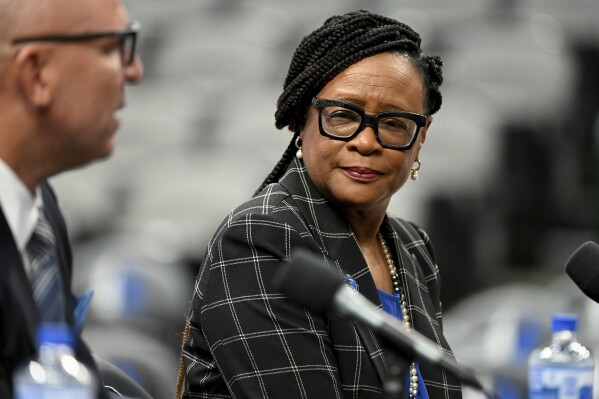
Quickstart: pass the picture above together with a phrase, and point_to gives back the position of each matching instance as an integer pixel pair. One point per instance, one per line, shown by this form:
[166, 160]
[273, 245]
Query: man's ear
[33, 74]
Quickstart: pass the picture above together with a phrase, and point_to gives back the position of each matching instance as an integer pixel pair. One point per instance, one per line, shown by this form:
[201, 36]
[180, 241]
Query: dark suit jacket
[19, 317]
[248, 340]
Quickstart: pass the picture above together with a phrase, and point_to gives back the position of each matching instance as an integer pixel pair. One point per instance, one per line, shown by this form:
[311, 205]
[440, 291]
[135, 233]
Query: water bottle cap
[564, 322]
[55, 333]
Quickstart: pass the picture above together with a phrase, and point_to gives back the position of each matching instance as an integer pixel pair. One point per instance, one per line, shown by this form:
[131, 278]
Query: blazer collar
[16, 280]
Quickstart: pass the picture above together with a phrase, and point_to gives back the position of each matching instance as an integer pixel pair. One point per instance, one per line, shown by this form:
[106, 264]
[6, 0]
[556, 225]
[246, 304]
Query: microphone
[583, 269]
[308, 281]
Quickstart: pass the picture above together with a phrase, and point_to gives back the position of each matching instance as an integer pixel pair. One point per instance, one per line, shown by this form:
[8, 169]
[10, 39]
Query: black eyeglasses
[127, 40]
[341, 121]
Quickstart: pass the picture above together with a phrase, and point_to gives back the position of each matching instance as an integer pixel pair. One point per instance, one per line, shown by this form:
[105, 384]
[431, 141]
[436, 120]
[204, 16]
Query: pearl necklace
[404, 309]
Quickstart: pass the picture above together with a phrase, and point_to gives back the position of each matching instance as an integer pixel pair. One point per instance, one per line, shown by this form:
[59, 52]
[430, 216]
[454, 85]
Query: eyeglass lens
[343, 122]
[128, 48]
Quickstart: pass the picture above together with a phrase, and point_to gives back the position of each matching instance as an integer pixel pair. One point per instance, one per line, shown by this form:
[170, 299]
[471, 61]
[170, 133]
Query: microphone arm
[413, 344]
[308, 281]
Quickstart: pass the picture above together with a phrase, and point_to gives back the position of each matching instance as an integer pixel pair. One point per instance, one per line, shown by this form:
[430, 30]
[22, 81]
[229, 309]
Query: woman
[359, 98]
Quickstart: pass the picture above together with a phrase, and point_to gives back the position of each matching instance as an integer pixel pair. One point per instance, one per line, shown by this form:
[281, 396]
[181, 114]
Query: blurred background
[508, 187]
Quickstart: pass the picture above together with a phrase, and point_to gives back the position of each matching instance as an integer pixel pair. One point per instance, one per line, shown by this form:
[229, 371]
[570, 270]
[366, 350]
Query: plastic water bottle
[55, 373]
[565, 368]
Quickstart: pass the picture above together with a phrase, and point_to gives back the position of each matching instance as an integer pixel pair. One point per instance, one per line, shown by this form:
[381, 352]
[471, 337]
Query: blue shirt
[392, 305]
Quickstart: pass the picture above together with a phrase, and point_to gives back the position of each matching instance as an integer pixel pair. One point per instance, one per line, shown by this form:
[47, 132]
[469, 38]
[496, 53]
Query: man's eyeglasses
[341, 121]
[127, 40]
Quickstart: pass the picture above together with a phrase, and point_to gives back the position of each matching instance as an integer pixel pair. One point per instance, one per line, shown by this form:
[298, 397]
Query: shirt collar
[20, 208]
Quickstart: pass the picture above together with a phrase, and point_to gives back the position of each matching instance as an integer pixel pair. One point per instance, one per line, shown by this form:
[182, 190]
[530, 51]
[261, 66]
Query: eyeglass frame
[131, 31]
[371, 120]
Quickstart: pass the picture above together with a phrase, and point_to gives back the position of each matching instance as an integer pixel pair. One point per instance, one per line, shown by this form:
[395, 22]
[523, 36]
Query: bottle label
[38, 391]
[558, 382]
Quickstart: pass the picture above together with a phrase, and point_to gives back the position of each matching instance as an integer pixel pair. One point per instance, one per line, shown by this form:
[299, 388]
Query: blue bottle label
[558, 382]
[35, 391]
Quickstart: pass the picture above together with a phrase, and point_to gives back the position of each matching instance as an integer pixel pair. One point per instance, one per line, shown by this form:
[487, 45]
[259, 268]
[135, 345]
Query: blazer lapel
[16, 280]
[421, 308]
[353, 263]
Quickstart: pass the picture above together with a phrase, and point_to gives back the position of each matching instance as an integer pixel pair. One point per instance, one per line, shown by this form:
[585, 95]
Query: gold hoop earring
[298, 145]
[414, 172]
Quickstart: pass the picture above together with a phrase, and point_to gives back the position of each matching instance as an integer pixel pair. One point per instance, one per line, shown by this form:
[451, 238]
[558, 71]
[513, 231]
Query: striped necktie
[46, 280]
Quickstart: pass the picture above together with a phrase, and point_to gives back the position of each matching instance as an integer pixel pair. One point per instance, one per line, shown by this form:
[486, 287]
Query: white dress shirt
[20, 208]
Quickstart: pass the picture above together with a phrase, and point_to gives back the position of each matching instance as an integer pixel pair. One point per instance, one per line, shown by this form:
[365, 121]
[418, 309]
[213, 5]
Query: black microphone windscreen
[308, 280]
[583, 269]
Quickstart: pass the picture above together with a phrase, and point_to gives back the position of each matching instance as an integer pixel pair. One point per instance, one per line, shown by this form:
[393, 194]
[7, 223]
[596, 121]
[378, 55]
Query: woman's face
[360, 173]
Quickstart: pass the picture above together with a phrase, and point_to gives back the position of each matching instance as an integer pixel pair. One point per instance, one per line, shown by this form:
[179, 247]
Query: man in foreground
[63, 68]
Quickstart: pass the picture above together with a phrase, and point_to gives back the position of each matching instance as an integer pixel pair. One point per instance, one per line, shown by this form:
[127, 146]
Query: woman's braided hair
[340, 42]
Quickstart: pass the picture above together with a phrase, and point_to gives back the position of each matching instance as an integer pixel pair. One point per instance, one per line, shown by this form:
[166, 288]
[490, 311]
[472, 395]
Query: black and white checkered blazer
[247, 340]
